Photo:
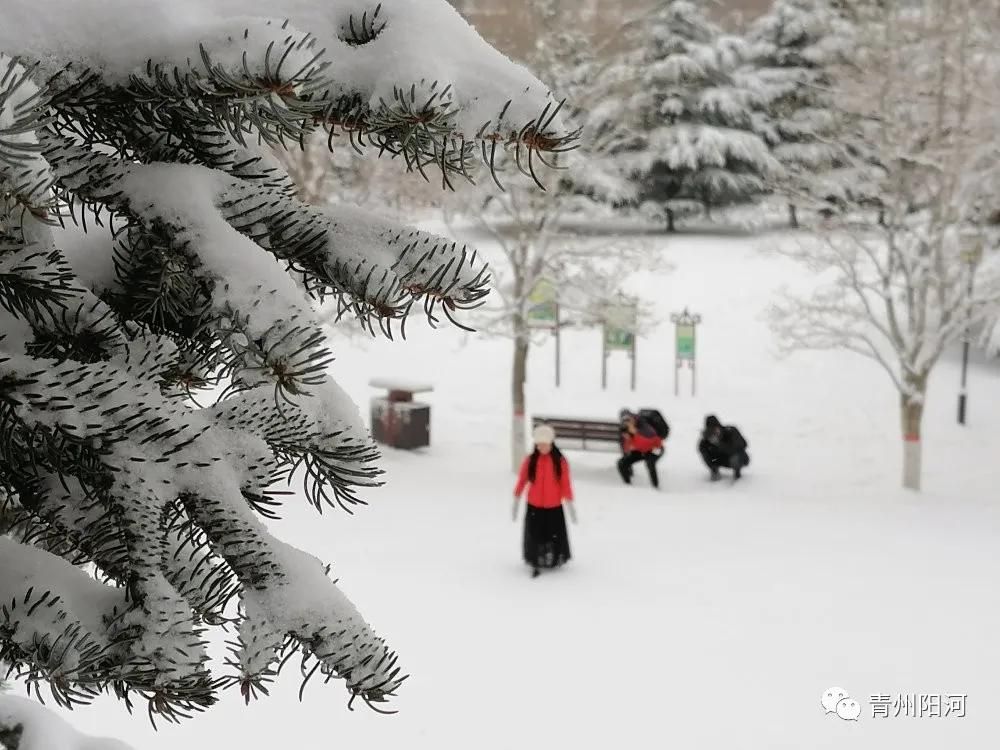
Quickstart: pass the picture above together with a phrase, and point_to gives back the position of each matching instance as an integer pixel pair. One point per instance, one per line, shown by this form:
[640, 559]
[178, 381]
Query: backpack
[656, 421]
[735, 438]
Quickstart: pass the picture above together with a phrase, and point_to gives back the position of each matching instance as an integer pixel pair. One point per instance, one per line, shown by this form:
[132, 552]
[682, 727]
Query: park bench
[589, 433]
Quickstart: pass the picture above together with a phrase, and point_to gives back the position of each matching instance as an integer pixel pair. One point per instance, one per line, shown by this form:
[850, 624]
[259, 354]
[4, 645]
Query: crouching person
[723, 447]
[641, 443]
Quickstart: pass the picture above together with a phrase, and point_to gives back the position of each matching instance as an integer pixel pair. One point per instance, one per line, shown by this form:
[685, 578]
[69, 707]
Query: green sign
[618, 338]
[685, 342]
[619, 327]
[543, 308]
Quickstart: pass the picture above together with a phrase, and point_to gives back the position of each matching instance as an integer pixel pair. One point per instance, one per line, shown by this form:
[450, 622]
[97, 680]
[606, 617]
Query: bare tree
[900, 286]
[536, 246]
[531, 229]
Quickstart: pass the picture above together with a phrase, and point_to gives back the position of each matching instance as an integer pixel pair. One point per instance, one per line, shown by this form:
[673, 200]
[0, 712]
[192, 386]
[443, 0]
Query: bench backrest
[581, 429]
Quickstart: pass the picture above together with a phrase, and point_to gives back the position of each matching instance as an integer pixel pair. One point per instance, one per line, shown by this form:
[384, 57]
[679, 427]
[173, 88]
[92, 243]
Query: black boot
[715, 474]
[654, 477]
[535, 572]
[625, 471]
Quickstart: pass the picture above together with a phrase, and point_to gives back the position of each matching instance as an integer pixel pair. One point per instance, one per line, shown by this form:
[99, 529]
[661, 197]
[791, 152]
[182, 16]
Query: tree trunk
[912, 413]
[793, 216]
[518, 429]
[670, 220]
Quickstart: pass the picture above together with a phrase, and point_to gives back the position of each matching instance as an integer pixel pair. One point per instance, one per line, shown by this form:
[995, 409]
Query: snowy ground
[703, 616]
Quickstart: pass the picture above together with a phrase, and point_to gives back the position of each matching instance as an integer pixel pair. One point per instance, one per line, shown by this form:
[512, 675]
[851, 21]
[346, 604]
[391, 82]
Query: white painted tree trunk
[518, 438]
[912, 414]
[911, 464]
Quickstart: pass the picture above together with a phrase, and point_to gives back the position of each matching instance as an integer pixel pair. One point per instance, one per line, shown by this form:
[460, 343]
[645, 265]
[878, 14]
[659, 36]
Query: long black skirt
[546, 542]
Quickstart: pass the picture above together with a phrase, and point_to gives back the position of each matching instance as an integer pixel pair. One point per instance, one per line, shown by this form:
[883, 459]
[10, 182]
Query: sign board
[619, 327]
[685, 342]
[543, 307]
[618, 338]
[684, 328]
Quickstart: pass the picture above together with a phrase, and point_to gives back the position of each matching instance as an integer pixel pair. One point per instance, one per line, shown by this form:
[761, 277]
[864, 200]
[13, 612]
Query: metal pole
[694, 353]
[961, 393]
[965, 354]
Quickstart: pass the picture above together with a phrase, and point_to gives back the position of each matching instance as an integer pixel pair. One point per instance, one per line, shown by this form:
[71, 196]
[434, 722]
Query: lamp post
[972, 252]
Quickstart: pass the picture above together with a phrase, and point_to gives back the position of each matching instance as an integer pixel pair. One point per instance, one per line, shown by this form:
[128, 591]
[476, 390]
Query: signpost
[543, 312]
[619, 323]
[684, 338]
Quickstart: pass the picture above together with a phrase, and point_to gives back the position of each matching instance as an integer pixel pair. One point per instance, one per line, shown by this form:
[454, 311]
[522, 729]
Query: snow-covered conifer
[798, 47]
[685, 127]
[161, 373]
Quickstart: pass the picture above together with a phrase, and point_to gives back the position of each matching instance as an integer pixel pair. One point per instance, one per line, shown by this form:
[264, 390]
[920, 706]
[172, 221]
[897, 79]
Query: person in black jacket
[723, 447]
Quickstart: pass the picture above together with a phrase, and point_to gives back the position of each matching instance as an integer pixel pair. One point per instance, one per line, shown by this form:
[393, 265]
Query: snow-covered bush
[133, 502]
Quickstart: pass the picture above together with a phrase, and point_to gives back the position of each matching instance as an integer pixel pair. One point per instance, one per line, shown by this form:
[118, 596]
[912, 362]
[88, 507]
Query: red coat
[642, 443]
[546, 491]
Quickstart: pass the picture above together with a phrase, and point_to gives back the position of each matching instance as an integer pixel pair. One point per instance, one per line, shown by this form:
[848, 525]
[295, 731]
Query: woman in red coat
[546, 475]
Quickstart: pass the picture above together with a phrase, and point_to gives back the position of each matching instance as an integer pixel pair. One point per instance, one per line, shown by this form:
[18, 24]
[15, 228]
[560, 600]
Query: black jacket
[729, 442]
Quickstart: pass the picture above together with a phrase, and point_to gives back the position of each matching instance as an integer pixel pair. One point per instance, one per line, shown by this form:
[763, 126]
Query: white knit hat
[544, 434]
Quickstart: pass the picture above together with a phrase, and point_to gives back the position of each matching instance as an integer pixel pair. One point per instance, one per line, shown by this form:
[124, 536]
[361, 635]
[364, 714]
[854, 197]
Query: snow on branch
[221, 475]
[153, 124]
[377, 269]
[898, 295]
[361, 68]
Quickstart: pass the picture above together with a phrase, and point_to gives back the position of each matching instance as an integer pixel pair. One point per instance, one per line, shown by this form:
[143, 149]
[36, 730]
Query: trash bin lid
[399, 384]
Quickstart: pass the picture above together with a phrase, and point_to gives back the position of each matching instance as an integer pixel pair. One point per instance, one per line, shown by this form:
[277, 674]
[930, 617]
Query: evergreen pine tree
[798, 46]
[687, 137]
[160, 374]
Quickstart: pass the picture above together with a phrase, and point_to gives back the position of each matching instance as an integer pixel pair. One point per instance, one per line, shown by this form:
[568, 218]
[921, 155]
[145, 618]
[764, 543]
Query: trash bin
[397, 420]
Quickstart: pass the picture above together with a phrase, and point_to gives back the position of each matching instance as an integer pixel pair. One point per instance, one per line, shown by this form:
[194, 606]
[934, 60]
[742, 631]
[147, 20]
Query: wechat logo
[836, 701]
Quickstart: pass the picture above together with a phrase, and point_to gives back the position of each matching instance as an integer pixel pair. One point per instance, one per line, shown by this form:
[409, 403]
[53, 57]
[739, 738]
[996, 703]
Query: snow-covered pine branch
[200, 271]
